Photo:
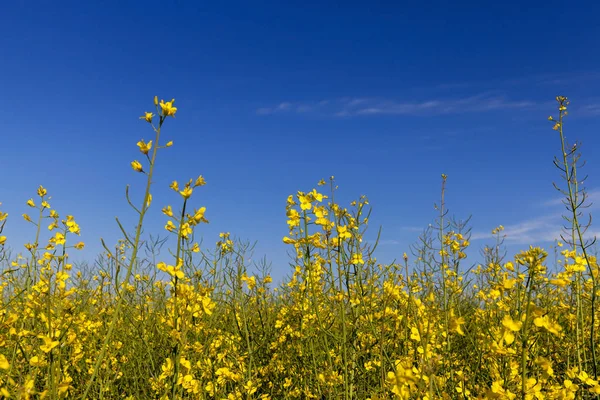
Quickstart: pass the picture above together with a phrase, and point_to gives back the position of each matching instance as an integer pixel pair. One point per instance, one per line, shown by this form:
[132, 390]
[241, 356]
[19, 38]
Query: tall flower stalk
[164, 110]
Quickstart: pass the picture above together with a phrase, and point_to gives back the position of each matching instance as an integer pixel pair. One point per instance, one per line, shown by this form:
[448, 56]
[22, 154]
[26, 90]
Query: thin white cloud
[589, 110]
[285, 106]
[360, 106]
[592, 199]
[533, 231]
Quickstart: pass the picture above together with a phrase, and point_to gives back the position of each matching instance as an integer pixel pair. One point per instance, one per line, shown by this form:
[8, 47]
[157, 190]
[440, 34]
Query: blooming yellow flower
[147, 116]
[30, 203]
[65, 385]
[135, 164]
[41, 191]
[4, 362]
[35, 361]
[170, 226]
[357, 258]
[511, 325]
[186, 192]
[199, 215]
[200, 181]
[2, 240]
[167, 108]
[59, 238]
[72, 225]
[186, 230]
[49, 344]
[174, 271]
[168, 211]
[144, 147]
[305, 201]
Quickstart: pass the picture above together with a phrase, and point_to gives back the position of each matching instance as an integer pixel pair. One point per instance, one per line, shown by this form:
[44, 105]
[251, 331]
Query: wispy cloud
[533, 231]
[281, 107]
[590, 110]
[547, 227]
[592, 200]
[358, 106]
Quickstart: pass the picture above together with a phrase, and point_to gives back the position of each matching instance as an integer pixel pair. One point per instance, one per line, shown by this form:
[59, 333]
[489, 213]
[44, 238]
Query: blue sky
[274, 96]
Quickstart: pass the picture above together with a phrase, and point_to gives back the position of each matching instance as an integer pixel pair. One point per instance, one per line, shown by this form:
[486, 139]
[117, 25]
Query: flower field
[202, 324]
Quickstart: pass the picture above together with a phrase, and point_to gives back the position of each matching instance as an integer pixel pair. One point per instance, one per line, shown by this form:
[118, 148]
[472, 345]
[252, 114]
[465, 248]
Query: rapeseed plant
[205, 324]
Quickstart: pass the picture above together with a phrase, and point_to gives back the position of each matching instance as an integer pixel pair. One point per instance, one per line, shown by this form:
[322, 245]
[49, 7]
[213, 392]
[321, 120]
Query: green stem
[132, 261]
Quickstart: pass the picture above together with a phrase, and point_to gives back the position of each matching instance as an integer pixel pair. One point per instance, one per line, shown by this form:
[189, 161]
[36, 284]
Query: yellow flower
[168, 211]
[511, 325]
[414, 334]
[144, 147]
[72, 225]
[175, 186]
[550, 326]
[41, 191]
[49, 344]
[186, 192]
[27, 218]
[171, 270]
[35, 361]
[186, 230]
[170, 226]
[4, 362]
[199, 216]
[59, 238]
[169, 143]
[2, 240]
[250, 387]
[456, 323]
[305, 201]
[357, 258]
[135, 164]
[147, 116]
[200, 181]
[343, 232]
[65, 385]
[30, 203]
[79, 245]
[167, 108]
